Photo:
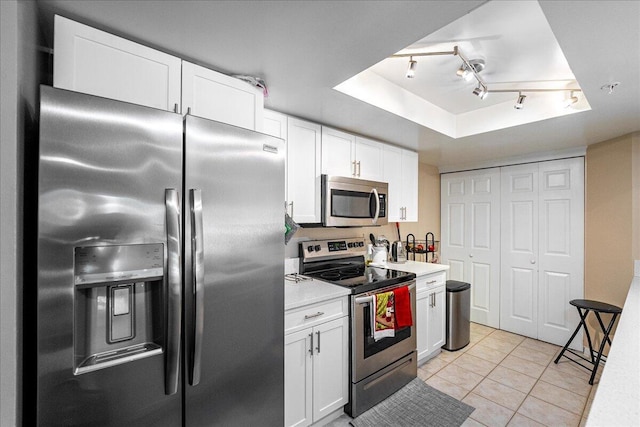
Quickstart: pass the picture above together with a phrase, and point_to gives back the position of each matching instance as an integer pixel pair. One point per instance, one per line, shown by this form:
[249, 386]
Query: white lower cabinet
[316, 363]
[431, 312]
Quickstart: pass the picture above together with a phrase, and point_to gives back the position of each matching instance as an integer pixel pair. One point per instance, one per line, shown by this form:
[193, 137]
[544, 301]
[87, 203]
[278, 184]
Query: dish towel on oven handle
[384, 324]
[402, 312]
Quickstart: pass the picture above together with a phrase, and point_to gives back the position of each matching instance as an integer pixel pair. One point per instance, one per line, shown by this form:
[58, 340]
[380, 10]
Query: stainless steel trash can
[458, 315]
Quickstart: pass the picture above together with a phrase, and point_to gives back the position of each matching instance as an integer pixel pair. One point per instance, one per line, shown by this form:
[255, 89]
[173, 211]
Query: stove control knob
[360, 244]
[317, 248]
[350, 245]
[310, 248]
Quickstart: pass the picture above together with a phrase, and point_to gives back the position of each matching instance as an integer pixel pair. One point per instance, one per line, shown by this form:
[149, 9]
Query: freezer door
[107, 251]
[234, 267]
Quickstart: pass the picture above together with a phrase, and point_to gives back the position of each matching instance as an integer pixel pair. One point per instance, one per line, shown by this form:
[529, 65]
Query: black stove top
[360, 278]
[341, 262]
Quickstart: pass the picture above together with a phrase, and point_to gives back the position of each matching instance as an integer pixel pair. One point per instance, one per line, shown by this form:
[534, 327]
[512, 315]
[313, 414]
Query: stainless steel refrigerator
[160, 297]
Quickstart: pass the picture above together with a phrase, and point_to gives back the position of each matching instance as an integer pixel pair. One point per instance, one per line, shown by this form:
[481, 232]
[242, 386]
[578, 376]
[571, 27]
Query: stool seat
[584, 306]
[601, 307]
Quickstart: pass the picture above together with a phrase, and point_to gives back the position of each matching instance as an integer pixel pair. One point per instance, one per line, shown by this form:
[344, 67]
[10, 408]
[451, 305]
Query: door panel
[241, 177]
[481, 226]
[456, 225]
[519, 249]
[561, 260]
[338, 150]
[298, 379]
[555, 289]
[456, 270]
[522, 294]
[471, 237]
[330, 367]
[104, 167]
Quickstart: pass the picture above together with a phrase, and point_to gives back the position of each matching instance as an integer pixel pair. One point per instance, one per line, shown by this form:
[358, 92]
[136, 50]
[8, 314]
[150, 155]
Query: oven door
[367, 355]
[351, 202]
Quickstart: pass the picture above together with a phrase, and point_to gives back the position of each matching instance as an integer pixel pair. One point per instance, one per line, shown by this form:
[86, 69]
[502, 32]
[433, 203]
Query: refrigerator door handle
[174, 291]
[197, 256]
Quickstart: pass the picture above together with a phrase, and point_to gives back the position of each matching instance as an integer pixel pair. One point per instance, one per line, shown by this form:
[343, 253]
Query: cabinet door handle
[311, 346]
[311, 316]
[358, 168]
[431, 282]
[318, 346]
[354, 168]
[175, 108]
[291, 204]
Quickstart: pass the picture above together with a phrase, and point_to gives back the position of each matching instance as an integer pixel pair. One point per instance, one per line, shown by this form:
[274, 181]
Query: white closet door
[519, 247]
[561, 250]
[484, 247]
[470, 229]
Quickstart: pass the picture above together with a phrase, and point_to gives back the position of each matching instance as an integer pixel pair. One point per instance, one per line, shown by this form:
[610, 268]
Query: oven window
[371, 346]
[351, 204]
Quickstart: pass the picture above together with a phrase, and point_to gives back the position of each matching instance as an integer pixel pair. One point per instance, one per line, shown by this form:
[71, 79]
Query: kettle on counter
[398, 254]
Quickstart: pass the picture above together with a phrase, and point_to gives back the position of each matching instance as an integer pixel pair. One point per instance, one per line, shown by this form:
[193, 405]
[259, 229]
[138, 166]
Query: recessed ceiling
[519, 51]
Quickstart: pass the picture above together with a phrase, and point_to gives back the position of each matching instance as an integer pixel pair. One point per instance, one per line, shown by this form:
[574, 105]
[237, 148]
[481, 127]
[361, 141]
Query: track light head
[480, 91]
[411, 71]
[570, 101]
[466, 72]
[519, 103]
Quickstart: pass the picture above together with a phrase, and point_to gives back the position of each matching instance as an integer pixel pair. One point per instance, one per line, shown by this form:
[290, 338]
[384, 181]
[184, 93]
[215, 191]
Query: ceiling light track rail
[473, 67]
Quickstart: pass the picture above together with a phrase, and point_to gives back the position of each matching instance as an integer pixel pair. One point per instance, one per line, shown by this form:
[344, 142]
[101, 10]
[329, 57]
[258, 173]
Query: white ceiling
[519, 51]
[305, 48]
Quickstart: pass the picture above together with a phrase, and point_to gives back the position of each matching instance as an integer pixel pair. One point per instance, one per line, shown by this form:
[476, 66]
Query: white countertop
[309, 292]
[417, 267]
[617, 399]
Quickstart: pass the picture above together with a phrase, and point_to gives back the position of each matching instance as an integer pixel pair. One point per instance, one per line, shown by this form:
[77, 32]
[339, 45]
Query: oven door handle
[368, 298]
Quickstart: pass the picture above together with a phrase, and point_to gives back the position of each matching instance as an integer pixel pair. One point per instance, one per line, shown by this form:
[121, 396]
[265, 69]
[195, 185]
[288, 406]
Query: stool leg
[604, 341]
[574, 334]
[586, 331]
[602, 324]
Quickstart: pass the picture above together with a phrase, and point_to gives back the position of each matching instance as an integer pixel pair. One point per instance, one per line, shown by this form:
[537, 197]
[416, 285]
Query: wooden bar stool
[597, 307]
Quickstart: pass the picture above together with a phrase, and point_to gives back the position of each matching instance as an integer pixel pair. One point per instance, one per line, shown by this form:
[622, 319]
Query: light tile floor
[511, 380]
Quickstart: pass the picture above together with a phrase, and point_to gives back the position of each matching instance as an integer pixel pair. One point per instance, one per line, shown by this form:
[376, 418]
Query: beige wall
[428, 217]
[611, 219]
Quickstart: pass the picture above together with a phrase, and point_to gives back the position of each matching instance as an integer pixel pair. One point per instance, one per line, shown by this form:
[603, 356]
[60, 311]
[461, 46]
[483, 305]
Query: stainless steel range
[378, 368]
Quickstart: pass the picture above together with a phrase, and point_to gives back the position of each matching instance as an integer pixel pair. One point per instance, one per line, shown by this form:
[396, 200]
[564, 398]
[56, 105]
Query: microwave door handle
[375, 217]
[174, 291]
[197, 257]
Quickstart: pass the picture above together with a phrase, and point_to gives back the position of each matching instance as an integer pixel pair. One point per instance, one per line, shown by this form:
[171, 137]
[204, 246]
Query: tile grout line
[537, 380]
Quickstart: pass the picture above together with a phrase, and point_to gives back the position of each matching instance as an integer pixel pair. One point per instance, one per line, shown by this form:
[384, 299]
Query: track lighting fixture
[411, 71]
[570, 101]
[471, 68]
[480, 91]
[466, 72]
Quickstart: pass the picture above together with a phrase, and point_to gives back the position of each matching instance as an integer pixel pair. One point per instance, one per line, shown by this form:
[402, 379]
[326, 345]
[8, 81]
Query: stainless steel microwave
[352, 202]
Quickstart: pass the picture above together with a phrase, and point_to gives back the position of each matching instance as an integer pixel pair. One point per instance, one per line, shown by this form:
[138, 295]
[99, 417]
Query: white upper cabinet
[98, 63]
[400, 170]
[410, 185]
[348, 155]
[338, 153]
[212, 95]
[275, 124]
[368, 158]
[303, 170]
[393, 176]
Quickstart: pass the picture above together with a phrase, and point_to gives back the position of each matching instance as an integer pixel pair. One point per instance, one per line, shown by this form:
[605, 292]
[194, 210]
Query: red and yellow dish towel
[392, 311]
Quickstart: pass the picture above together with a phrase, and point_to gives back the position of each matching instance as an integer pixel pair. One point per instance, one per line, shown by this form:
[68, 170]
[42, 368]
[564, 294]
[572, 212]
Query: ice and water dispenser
[119, 310]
